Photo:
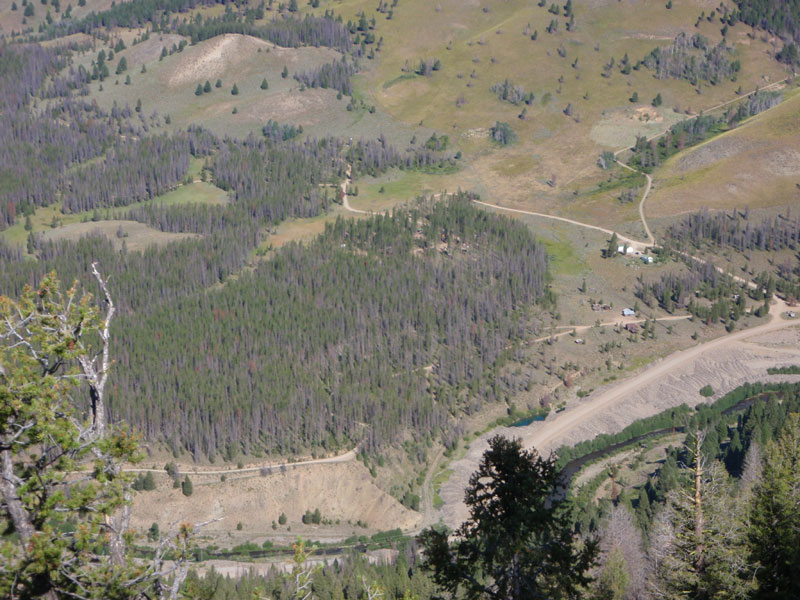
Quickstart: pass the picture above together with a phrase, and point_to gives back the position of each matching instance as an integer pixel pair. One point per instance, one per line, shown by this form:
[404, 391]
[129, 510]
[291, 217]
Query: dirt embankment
[341, 491]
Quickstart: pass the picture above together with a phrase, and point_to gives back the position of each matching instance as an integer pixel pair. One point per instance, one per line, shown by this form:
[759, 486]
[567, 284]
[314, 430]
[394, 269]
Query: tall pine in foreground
[698, 543]
[775, 532]
[518, 542]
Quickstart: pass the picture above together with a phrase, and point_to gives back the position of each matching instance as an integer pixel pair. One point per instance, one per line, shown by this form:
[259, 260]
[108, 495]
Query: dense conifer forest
[100, 160]
[290, 358]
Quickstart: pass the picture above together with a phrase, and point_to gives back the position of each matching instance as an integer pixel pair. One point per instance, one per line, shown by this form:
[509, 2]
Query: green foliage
[518, 542]
[788, 370]
[502, 133]
[64, 526]
[235, 90]
[264, 84]
[774, 537]
[186, 486]
[706, 391]
[613, 580]
[395, 315]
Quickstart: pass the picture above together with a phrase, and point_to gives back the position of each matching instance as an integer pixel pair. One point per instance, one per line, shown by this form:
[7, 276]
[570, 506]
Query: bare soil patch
[619, 128]
[227, 54]
[341, 491]
[213, 58]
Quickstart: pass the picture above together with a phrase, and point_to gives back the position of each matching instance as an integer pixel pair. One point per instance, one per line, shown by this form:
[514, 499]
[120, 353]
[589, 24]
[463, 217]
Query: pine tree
[519, 535]
[698, 540]
[264, 84]
[285, 72]
[218, 84]
[198, 90]
[774, 536]
[149, 483]
[235, 90]
[122, 66]
[207, 87]
[186, 486]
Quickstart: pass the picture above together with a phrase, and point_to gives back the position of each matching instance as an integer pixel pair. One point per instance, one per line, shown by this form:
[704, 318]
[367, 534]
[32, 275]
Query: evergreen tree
[264, 84]
[207, 87]
[285, 72]
[122, 66]
[698, 540]
[149, 482]
[774, 536]
[186, 486]
[218, 84]
[518, 542]
[235, 90]
[198, 91]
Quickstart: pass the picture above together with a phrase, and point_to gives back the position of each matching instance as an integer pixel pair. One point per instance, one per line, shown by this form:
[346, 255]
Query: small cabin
[628, 312]
[632, 328]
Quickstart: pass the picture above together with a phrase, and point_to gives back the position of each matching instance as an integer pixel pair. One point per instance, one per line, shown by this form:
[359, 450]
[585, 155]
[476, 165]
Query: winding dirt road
[339, 458]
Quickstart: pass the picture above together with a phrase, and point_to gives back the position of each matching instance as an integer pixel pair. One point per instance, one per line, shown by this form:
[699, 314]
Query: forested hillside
[379, 326]
[781, 17]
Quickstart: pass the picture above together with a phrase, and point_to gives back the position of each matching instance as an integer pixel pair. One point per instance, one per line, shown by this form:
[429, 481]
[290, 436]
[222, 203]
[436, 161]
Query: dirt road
[339, 458]
[622, 321]
[345, 201]
[545, 436]
[635, 244]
